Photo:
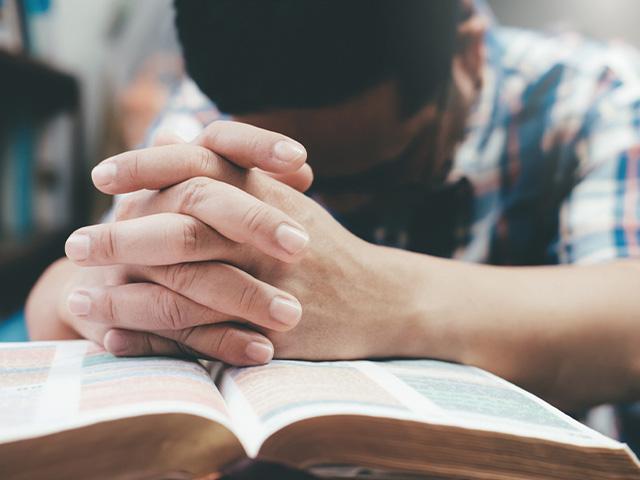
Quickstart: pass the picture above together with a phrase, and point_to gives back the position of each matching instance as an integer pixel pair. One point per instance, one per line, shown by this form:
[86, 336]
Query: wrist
[414, 304]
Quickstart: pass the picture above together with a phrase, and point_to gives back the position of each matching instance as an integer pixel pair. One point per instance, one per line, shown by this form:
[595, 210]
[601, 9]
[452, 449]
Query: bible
[71, 410]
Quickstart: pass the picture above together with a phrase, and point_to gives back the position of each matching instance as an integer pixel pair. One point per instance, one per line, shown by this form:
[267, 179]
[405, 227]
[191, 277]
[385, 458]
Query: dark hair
[258, 55]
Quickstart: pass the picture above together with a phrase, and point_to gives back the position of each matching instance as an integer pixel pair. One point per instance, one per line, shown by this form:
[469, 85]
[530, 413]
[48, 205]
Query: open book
[70, 410]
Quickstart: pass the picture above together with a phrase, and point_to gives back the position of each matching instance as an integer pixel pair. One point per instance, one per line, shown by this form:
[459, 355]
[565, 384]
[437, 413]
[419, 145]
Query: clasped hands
[216, 253]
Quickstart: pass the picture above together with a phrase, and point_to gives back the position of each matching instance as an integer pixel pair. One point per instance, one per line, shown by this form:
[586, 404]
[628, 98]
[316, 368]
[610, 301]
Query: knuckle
[109, 308]
[207, 161]
[254, 218]
[190, 238]
[169, 312]
[185, 339]
[223, 343]
[248, 299]
[132, 168]
[108, 243]
[193, 193]
[181, 277]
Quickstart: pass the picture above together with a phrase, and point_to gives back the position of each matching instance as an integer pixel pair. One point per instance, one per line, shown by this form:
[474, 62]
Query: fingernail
[77, 247]
[292, 239]
[288, 152]
[104, 174]
[259, 352]
[285, 310]
[79, 303]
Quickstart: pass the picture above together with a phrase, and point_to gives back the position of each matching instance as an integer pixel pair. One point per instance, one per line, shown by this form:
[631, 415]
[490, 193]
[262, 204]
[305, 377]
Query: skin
[194, 260]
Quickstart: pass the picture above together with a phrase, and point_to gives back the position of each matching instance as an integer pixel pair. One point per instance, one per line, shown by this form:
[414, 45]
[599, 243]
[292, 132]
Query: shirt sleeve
[599, 220]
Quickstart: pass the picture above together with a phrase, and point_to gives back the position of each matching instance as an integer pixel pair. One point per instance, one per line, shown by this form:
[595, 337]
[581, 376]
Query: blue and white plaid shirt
[551, 156]
[551, 153]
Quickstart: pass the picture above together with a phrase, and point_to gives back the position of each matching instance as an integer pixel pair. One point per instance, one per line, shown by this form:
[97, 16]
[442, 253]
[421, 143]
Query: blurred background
[82, 80]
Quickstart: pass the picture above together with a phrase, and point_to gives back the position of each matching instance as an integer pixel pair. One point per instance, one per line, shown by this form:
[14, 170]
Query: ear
[470, 54]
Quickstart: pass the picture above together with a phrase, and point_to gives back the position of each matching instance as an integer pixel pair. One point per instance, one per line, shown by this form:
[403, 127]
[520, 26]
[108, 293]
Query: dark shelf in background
[34, 89]
[32, 92]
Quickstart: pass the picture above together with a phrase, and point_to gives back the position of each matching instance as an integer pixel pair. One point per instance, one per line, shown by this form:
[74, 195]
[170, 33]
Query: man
[426, 132]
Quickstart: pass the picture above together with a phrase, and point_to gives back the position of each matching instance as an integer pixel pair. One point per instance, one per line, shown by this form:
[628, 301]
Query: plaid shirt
[548, 172]
[551, 156]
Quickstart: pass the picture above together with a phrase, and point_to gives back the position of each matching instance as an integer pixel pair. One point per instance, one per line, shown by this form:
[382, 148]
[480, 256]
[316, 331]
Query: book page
[51, 386]
[473, 398]
[264, 399]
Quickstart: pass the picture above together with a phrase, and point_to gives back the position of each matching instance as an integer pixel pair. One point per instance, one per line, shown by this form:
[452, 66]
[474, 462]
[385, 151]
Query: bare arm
[568, 333]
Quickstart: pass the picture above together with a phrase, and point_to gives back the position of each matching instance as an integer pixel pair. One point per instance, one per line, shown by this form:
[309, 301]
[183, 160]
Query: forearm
[567, 333]
[42, 312]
